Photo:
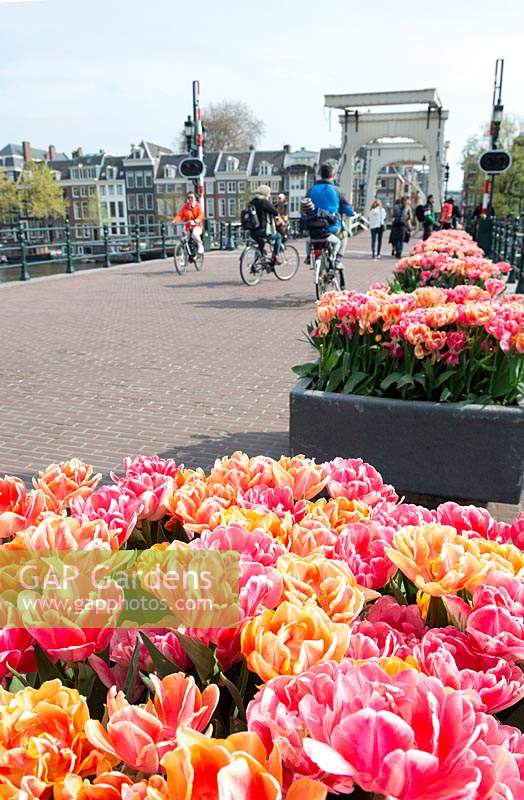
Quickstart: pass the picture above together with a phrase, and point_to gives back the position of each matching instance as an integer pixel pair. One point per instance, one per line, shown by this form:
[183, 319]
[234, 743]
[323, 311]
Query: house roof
[242, 156]
[17, 150]
[112, 161]
[329, 154]
[156, 150]
[274, 157]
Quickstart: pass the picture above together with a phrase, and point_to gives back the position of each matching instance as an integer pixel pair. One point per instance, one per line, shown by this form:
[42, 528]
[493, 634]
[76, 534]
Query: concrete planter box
[455, 450]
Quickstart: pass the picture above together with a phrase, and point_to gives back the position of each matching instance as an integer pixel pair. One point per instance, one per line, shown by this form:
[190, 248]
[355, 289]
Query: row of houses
[145, 187]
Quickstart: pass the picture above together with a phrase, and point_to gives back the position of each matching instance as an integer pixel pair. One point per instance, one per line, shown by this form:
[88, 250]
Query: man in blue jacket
[328, 197]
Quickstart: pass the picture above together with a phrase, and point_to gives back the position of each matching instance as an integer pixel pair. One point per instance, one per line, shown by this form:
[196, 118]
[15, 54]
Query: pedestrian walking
[429, 218]
[377, 219]
[399, 227]
[446, 214]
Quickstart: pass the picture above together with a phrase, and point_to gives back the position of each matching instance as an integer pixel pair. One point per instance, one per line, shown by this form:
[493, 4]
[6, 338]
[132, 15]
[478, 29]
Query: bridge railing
[503, 240]
[68, 246]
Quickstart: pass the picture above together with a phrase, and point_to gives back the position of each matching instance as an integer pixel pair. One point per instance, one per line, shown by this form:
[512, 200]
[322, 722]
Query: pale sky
[108, 73]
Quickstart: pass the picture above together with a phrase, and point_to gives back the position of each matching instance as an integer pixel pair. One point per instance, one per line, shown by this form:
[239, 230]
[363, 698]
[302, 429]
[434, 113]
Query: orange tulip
[291, 639]
[304, 476]
[62, 482]
[277, 527]
[330, 584]
[437, 559]
[42, 736]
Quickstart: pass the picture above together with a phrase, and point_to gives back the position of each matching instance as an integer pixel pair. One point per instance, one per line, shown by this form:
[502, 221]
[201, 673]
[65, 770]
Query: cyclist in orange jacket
[192, 215]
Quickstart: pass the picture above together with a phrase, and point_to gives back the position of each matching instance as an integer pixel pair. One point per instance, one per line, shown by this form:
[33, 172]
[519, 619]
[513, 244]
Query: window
[111, 173]
[221, 187]
[149, 201]
[132, 219]
[120, 189]
[102, 190]
[210, 207]
[114, 229]
[297, 183]
[130, 180]
[148, 180]
[221, 207]
[111, 189]
[275, 185]
[231, 187]
[120, 209]
[112, 207]
[104, 211]
[264, 168]
[131, 204]
[151, 221]
[77, 210]
[232, 207]
[75, 192]
[232, 164]
[170, 171]
[139, 180]
[141, 220]
[241, 186]
[140, 204]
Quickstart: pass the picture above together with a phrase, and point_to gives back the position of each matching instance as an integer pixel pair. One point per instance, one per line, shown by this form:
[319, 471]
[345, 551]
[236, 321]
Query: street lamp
[189, 130]
[446, 179]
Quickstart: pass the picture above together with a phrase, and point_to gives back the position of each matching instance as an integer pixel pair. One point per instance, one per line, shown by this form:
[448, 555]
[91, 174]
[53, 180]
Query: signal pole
[199, 140]
[496, 118]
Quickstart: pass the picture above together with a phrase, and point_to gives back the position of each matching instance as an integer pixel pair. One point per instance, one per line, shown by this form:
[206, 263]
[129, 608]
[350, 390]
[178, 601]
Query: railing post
[137, 245]
[221, 235]
[163, 239]
[24, 274]
[512, 274]
[229, 243]
[69, 255]
[107, 257]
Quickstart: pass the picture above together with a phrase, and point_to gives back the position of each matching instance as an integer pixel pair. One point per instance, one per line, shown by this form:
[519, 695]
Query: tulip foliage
[377, 652]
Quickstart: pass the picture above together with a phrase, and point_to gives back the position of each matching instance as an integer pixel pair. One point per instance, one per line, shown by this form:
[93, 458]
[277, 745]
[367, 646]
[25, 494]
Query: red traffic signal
[191, 167]
[495, 161]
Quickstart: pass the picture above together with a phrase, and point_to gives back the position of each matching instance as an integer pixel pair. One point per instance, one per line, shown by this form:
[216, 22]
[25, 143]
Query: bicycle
[186, 252]
[327, 273]
[254, 262]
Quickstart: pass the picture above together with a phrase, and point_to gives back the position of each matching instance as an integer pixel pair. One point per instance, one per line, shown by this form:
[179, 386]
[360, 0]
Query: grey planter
[455, 450]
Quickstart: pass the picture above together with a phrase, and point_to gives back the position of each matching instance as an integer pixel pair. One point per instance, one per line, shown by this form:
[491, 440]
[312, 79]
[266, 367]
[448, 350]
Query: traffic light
[191, 167]
[494, 161]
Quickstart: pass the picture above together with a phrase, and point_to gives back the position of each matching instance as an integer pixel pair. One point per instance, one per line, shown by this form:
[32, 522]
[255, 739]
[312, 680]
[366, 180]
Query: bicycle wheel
[326, 280]
[179, 258]
[250, 271]
[289, 264]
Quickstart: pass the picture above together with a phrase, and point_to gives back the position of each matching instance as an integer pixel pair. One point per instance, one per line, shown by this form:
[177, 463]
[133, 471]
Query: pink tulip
[361, 546]
[473, 522]
[450, 656]
[112, 505]
[16, 650]
[256, 545]
[356, 480]
[150, 480]
[496, 623]
[407, 620]
[279, 500]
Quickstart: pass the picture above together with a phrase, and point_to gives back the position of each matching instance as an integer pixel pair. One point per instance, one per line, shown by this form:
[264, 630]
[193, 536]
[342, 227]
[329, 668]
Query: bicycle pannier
[249, 218]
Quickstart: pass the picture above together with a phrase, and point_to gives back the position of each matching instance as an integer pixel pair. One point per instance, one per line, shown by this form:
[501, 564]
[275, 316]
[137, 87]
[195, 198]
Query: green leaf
[405, 380]
[390, 379]
[445, 395]
[202, 657]
[47, 671]
[335, 379]
[308, 370]
[17, 677]
[235, 694]
[422, 379]
[132, 672]
[352, 382]
[86, 679]
[163, 666]
[446, 376]
[331, 361]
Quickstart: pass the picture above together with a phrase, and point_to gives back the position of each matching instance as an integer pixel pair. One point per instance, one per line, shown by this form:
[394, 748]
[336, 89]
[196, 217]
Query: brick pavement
[137, 359]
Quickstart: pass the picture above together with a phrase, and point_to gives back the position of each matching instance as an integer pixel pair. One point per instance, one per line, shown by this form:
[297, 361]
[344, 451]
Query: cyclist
[267, 215]
[318, 223]
[192, 215]
[328, 197]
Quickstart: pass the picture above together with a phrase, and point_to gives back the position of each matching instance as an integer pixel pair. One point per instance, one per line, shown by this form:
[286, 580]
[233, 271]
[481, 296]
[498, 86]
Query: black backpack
[420, 212]
[249, 218]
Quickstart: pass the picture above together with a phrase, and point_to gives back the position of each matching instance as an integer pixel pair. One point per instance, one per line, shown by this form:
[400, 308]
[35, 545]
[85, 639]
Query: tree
[41, 195]
[508, 197]
[9, 198]
[229, 125]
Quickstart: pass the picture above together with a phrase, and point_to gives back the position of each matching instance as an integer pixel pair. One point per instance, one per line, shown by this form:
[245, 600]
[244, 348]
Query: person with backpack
[328, 197]
[430, 220]
[259, 219]
[399, 226]
[318, 223]
[376, 219]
